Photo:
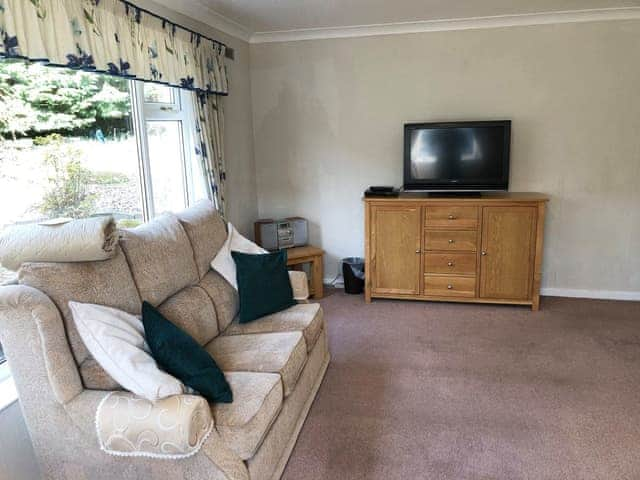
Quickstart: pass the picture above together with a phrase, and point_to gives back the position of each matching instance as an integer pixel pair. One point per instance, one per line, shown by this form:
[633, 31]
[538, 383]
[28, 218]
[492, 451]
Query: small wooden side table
[312, 255]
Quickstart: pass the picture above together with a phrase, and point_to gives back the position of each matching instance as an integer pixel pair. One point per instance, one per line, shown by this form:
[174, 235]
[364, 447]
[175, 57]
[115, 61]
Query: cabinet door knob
[452, 217]
[418, 250]
[484, 253]
[449, 287]
[451, 240]
[450, 264]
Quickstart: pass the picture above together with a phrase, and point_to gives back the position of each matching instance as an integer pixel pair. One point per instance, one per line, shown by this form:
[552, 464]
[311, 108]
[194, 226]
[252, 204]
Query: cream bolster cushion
[175, 427]
[223, 263]
[116, 341]
[299, 285]
[60, 240]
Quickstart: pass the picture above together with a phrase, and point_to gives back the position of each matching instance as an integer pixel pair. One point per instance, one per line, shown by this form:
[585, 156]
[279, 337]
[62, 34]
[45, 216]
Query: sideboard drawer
[451, 216]
[449, 286]
[464, 240]
[450, 263]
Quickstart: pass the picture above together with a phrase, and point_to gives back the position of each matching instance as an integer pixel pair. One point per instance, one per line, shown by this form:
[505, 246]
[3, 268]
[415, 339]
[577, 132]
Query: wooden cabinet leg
[535, 306]
[318, 287]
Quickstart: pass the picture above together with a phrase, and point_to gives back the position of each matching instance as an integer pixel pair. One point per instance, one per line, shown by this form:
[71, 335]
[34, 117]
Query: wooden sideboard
[485, 249]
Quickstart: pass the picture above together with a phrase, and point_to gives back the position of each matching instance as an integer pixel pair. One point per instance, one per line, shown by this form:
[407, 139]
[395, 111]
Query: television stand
[481, 249]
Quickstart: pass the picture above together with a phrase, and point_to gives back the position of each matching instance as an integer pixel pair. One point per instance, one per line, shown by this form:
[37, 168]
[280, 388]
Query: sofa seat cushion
[284, 353]
[303, 317]
[243, 424]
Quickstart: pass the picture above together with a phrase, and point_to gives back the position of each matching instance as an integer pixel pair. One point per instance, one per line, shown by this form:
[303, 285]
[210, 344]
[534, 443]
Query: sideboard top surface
[485, 197]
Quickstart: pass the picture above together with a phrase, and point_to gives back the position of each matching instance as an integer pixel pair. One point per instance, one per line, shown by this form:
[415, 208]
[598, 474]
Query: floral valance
[114, 37]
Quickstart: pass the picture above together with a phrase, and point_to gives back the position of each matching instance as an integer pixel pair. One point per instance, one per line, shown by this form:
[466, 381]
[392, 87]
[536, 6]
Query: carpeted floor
[453, 391]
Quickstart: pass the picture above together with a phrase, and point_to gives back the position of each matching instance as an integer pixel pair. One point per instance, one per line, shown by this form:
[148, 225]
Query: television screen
[457, 156]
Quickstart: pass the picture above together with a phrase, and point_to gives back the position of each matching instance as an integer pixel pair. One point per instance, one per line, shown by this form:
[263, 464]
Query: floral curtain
[113, 37]
[210, 146]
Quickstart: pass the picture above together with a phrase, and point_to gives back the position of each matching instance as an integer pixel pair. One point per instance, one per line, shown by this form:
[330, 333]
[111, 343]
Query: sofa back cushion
[107, 282]
[161, 258]
[192, 310]
[224, 297]
[206, 230]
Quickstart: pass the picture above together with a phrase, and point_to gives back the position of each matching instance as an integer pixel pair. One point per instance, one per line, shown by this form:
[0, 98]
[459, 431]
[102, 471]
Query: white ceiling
[253, 18]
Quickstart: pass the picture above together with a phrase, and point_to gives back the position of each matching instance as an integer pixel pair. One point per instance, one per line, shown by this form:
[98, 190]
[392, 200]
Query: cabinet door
[395, 249]
[508, 252]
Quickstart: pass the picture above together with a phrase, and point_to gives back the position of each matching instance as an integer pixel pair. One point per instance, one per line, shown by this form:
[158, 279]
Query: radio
[286, 233]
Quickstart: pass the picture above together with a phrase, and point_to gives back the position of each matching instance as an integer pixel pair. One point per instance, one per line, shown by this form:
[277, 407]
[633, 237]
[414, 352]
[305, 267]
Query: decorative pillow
[180, 355]
[116, 341]
[223, 262]
[263, 284]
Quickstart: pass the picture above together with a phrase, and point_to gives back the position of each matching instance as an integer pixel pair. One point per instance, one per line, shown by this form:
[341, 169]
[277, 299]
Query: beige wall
[241, 179]
[328, 118]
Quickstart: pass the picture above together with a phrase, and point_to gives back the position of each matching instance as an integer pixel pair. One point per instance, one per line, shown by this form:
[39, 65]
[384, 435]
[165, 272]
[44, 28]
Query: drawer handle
[418, 250]
[449, 287]
[451, 240]
[451, 264]
[452, 217]
[484, 253]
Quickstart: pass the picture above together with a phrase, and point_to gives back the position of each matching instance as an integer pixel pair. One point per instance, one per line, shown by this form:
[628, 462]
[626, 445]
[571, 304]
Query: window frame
[180, 110]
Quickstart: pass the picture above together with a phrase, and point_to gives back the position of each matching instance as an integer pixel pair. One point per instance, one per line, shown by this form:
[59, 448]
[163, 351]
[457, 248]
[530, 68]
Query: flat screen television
[457, 156]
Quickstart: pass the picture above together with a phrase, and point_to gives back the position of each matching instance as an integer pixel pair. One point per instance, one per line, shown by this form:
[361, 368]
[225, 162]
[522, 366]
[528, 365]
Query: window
[172, 179]
[77, 144]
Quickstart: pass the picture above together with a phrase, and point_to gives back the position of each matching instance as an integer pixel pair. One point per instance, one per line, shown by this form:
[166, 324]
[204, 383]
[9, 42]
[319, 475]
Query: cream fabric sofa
[274, 365]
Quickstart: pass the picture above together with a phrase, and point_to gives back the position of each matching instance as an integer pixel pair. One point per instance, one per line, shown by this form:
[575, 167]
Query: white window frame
[181, 111]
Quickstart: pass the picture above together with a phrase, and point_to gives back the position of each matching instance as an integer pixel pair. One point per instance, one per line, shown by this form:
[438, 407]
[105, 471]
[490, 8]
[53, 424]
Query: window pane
[165, 158]
[69, 149]
[154, 93]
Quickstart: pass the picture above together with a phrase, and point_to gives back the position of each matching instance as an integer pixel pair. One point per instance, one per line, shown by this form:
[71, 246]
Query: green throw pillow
[263, 284]
[180, 355]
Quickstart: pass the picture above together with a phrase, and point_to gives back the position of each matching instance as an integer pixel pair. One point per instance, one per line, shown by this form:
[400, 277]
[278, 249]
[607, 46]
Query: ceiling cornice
[205, 15]
[498, 21]
[224, 24]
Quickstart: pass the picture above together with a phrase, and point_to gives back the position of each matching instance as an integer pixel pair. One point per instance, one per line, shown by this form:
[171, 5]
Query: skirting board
[558, 292]
[596, 294]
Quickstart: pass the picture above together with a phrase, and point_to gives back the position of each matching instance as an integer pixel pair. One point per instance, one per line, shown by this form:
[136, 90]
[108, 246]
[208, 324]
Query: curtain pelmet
[113, 37]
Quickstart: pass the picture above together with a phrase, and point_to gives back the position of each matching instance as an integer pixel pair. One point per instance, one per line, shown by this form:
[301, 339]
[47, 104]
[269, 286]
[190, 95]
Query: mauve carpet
[454, 391]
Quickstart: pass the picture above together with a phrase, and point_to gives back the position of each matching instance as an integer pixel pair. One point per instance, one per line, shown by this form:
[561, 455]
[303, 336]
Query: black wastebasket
[353, 274]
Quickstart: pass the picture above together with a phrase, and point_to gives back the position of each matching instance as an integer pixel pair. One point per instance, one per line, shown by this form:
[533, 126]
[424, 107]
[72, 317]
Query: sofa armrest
[299, 285]
[97, 413]
[33, 334]
[174, 427]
